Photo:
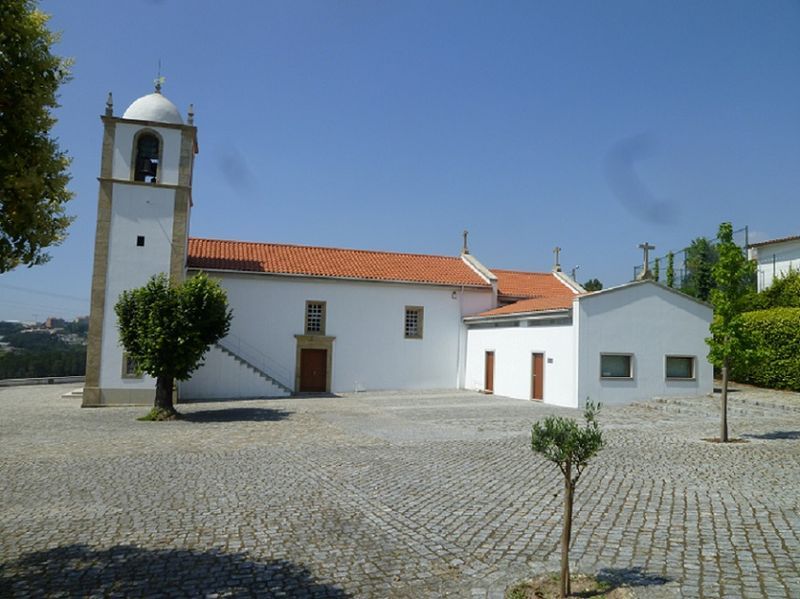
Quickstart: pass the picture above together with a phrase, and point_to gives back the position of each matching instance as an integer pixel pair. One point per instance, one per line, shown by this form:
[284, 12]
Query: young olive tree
[733, 279]
[166, 330]
[566, 444]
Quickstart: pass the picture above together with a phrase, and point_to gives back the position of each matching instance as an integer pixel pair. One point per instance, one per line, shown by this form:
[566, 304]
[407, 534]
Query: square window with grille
[616, 366]
[680, 367]
[130, 368]
[413, 327]
[315, 318]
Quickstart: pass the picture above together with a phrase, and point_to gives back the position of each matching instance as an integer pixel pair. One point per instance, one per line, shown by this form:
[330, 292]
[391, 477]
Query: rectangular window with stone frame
[130, 368]
[679, 368]
[414, 321]
[616, 366]
[315, 317]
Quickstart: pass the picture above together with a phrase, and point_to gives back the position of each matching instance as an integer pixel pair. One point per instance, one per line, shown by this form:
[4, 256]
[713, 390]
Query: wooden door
[313, 370]
[537, 382]
[488, 385]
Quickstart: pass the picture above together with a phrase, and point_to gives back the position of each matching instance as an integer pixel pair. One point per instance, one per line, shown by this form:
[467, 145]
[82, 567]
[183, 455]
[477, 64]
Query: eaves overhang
[519, 316]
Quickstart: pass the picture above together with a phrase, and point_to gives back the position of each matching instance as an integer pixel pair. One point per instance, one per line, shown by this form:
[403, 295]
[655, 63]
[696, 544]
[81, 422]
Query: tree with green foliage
[166, 329]
[733, 276]
[593, 285]
[670, 269]
[33, 170]
[774, 361]
[657, 270]
[569, 446]
[701, 256]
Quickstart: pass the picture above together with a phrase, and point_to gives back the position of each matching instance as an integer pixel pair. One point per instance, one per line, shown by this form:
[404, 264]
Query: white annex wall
[131, 266]
[513, 348]
[775, 260]
[367, 319]
[650, 322]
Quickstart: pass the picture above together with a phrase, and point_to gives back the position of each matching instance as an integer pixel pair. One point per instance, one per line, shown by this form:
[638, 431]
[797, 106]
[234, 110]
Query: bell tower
[142, 229]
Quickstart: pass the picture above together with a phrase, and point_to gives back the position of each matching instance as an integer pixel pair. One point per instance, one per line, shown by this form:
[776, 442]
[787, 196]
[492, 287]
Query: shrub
[776, 334]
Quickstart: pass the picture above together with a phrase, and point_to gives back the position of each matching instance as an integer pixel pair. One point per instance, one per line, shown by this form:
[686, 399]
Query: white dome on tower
[154, 107]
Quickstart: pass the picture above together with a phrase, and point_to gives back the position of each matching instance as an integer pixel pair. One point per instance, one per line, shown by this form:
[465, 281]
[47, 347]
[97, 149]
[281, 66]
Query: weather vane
[159, 80]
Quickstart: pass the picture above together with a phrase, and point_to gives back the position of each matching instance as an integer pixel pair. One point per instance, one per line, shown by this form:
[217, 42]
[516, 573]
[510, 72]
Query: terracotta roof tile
[215, 254]
[516, 284]
[534, 304]
[771, 241]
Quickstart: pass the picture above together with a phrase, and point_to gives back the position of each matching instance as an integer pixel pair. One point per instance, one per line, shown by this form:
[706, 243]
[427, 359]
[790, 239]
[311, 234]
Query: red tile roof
[535, 304]
[512, 283]
[216, 254]
[771, 241]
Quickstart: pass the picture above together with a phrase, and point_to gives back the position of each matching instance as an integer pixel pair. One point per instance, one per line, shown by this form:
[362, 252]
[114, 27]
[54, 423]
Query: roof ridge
[521, 272]
[321, 247]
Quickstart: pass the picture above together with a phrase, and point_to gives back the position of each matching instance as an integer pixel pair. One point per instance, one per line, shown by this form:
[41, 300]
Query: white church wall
[647, 322]
[132, 266]
[123, 152]
[513, 348]
[775, 260]
[222, 371]
[370, 351]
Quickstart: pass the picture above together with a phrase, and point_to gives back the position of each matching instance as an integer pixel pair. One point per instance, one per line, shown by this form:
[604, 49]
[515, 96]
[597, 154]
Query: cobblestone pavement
[390, 495]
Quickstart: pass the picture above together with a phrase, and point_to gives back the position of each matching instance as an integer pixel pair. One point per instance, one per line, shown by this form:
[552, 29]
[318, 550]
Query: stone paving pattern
[390, 495]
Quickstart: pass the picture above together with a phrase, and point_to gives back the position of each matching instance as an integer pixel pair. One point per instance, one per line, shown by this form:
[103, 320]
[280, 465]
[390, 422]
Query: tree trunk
[566, 532]
[723, 423]
[163, 401]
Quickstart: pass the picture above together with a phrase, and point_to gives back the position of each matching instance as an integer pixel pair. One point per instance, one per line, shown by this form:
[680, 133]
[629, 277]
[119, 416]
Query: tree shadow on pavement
[236, 415]
[123, 570]
[631, 577]
[775, 435]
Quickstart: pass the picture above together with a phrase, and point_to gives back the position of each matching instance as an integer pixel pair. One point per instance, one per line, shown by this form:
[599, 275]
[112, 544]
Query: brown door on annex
[313, 369]
[488, 385]
[537, 384]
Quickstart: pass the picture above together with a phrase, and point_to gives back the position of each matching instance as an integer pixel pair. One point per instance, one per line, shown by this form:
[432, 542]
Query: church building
[333, 320]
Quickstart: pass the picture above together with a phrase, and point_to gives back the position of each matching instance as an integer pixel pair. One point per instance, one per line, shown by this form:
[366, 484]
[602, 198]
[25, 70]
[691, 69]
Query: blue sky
[593, 126]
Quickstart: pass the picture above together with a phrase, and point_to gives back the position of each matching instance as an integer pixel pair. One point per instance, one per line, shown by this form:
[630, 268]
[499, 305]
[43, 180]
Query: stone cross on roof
[646, 274]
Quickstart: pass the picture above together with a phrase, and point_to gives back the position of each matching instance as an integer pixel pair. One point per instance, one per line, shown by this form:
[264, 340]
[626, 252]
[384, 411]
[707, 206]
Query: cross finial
[465, 247]
[646, 247]
[556, 263]
[109, 105]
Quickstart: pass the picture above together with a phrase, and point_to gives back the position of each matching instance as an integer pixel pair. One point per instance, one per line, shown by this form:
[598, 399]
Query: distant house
[331, 320]
[775, 258]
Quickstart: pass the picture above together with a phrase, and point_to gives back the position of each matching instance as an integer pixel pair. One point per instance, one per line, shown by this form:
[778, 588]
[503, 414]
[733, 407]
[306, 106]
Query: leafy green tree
[701, 256]
[33, 170]
[657, 270]
[166, 330]
[593, 285]
[564, 443]
[670, 269]
[733, 276]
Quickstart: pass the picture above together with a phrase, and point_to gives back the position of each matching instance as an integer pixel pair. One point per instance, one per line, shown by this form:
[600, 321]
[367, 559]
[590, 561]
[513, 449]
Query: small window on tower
[140, 241]
[147, 157]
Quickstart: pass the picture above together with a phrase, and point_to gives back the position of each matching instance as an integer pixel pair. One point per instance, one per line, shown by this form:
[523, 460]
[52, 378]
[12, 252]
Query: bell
[147, 167]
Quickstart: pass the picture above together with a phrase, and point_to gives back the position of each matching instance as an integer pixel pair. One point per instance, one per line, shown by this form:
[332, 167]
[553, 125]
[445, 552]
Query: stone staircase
[708, 406]
[284, 390]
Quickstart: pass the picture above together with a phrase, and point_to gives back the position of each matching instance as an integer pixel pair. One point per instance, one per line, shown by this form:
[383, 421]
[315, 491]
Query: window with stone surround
[616, 366]
[413, 324]
[315, 317]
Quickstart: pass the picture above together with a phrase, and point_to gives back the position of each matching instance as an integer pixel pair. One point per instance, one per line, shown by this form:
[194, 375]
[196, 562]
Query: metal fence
[740, 236]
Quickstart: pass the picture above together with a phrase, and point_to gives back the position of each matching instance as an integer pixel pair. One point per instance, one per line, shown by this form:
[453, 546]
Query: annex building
[331, 320]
